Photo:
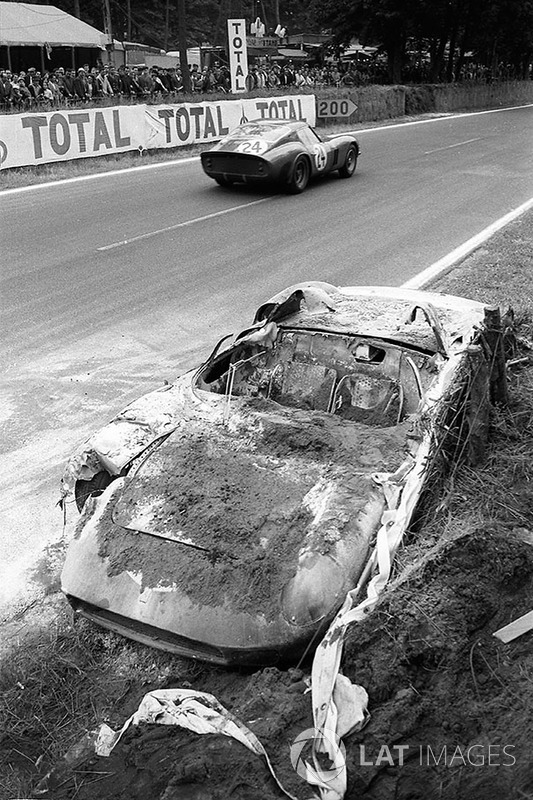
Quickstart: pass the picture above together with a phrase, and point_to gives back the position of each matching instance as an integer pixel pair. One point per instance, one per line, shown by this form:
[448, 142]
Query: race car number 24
[321, 156]
[255, 146]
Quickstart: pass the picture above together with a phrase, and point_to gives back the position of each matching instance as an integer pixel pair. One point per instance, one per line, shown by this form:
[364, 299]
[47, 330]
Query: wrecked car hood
[258, 505]
[211, 484]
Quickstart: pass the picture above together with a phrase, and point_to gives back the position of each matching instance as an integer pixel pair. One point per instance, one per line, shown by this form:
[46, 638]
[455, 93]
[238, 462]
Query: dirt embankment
[445, 696]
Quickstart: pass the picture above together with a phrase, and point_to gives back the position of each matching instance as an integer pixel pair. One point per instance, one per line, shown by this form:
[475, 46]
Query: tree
[374, 22]
[496, 31]
[505, 35]
[182, 39]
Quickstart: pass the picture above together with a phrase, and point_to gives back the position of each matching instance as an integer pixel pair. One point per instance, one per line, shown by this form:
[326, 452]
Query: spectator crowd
[63, 87]
[106, 84]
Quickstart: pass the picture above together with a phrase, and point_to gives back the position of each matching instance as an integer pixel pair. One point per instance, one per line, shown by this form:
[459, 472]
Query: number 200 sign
[343, 107]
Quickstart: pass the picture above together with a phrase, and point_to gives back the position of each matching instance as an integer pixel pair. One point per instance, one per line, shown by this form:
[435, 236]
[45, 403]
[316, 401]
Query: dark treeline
[440, 36]
[493, 33]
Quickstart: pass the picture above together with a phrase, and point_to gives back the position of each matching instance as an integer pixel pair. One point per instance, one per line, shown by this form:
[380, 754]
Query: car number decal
[321, 156]
[256, 146]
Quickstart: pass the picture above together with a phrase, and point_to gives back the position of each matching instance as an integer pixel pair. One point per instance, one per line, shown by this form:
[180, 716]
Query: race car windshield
[271, 133]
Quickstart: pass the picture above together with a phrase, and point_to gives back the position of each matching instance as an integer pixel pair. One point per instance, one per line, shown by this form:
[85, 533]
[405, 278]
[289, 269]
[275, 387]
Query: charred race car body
[225, 516]
[284, 152]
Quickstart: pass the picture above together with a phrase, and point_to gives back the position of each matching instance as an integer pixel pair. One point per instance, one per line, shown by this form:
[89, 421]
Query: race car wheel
[350, 163]
[222, 181]
[300, 176]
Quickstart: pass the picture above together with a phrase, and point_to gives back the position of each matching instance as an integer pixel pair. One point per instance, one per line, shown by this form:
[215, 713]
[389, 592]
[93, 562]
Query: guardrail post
[494, 337]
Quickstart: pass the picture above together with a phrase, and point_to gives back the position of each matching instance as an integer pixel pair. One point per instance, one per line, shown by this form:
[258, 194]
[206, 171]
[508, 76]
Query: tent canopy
[288, 52]
[30, 24]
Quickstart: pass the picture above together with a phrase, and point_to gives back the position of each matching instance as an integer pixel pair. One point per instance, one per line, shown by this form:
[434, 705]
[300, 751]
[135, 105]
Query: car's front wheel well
[91, 488]
[299, 174]
[347, 169]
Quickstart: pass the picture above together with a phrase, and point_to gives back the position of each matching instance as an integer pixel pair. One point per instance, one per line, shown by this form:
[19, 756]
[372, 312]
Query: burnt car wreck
[225, 516]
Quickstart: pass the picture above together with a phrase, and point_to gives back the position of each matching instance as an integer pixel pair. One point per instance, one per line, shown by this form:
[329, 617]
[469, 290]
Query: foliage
[444, 33]
[156, 23]
[495, 32]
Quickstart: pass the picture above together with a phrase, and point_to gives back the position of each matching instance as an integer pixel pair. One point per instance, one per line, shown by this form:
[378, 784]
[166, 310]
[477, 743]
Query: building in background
[46, 38]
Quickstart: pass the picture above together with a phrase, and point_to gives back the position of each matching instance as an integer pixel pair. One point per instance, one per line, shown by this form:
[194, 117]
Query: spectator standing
[299, 79]
[146, 82]
[63, 87]
[208, 81]
[79, 85]
[127, 84]
[175, 80]
[273, 77]
[92, 88]
[6, 89]
[196, 78]
[114, 80]
[335, 76]
[288, 74]
[53, 86]
[68, 83]
[47, 96]
[31, 79]
[22, 95]
[134, 73]
[225, 78]
[159, 86]
[308, 77]
[104, 88]
[164, 77]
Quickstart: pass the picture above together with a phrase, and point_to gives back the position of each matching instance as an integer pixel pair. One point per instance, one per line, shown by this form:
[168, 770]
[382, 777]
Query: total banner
[197, 123]
[40, 138]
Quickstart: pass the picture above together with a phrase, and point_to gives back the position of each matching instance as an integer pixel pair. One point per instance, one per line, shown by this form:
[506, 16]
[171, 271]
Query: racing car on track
[225, 516]
[288, 153]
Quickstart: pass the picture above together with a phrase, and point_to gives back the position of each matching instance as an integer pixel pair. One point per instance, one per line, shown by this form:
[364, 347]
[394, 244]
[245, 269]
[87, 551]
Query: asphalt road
[111, 285]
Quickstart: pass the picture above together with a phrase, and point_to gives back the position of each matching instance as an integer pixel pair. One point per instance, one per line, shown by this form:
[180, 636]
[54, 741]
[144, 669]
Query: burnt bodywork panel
[226, 516]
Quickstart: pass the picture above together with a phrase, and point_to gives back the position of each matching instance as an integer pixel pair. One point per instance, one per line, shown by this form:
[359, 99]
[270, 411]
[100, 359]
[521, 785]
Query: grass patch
[19, 177]
[59, 682]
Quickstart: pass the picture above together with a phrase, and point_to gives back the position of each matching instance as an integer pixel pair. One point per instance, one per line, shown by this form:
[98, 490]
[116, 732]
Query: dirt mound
[451, 713]
[440, 685]
[169, 763]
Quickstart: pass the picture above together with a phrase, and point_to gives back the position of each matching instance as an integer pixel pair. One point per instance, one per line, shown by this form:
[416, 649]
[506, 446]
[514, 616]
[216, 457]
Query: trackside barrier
[40, 138]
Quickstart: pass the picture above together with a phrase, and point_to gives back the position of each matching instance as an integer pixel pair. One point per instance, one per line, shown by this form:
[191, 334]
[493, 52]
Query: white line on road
[184, 224]
[465, 249]
[95, 175]
[442, 118]
[450, 146]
